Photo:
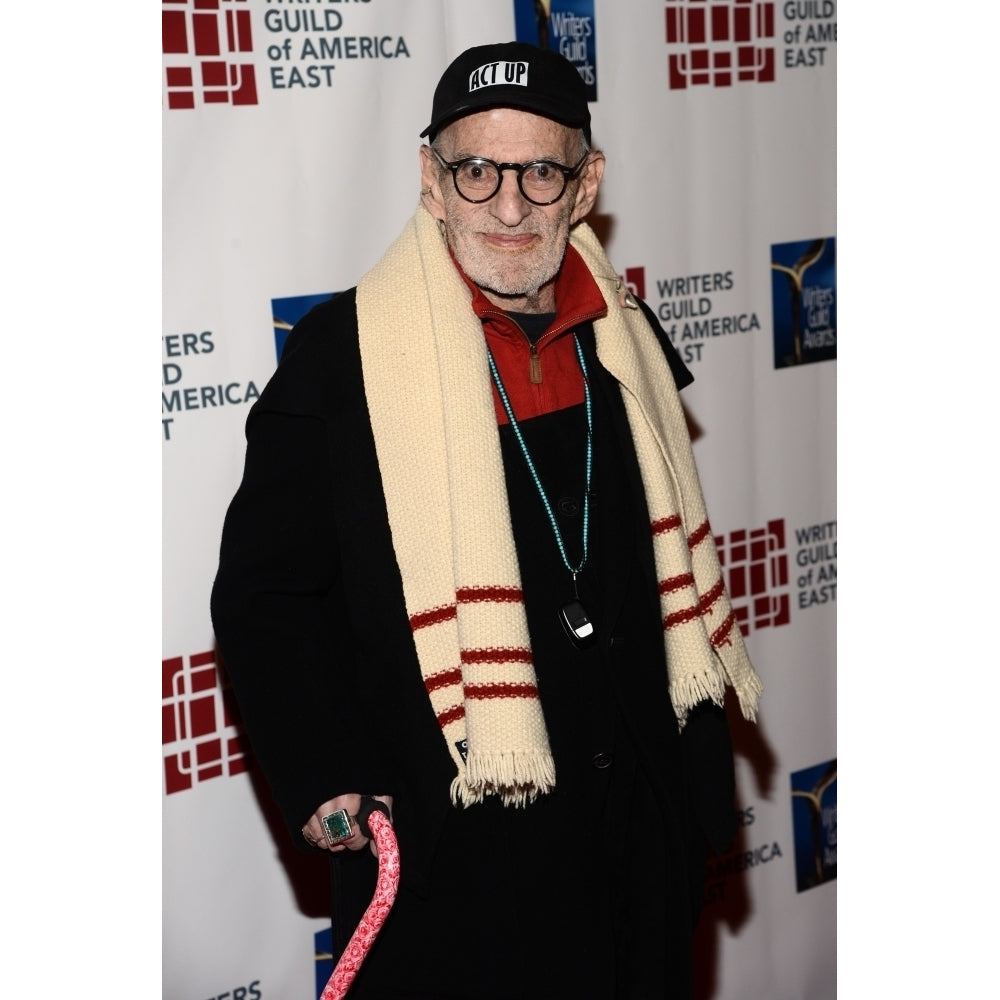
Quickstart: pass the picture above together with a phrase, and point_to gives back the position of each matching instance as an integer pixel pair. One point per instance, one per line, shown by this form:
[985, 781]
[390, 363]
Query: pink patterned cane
[378, 909]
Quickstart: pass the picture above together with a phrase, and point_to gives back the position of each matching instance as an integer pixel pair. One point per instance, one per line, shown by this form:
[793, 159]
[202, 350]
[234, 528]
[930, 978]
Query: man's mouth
[506, 241]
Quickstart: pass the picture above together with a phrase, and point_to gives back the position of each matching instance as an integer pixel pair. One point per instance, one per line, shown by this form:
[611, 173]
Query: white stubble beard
[512, 274]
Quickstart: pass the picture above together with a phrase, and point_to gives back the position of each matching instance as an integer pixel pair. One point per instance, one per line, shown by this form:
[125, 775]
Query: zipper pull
[535, 367]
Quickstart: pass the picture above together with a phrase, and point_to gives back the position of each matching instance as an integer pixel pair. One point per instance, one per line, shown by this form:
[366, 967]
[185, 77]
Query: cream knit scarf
[429, 395]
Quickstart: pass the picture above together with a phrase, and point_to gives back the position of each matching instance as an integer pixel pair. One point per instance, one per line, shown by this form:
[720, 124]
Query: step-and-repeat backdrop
[290, 137]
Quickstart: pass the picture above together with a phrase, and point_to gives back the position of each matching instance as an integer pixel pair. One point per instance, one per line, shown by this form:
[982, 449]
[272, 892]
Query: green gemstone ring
[338, 826]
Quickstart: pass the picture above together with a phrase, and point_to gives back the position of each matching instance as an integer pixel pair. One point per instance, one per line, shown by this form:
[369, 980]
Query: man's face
[511, 248]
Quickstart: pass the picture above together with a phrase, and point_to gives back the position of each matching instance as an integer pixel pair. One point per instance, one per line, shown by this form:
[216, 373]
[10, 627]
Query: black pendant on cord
[578, 626]
[576, 622]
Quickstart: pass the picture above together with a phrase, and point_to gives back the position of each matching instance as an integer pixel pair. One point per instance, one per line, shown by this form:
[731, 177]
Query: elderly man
[469, 571]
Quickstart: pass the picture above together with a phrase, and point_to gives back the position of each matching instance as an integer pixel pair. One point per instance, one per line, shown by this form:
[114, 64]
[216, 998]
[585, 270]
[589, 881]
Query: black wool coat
[313, 633]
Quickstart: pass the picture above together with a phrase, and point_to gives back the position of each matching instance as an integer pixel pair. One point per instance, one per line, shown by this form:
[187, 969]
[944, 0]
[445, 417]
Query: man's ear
[590, 181]
[430, 183]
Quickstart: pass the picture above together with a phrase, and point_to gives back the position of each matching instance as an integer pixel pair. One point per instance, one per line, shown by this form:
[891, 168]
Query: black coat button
[602, 760]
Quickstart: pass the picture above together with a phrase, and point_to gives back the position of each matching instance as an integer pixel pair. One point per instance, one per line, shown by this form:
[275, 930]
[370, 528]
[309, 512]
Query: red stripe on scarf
[502, 595]
[450, 715]
[433, 617]
[676, 583]
[699, 535]
[443, 679]
[689, 614]
[465, 595]
[497, 654]
[665, 524]
[720, 637]
[483, 691]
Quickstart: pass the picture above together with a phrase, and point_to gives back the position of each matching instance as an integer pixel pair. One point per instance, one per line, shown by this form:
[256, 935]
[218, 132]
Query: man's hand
[315, 834]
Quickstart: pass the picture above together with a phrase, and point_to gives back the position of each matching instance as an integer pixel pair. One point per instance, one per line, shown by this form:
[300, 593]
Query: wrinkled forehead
[509, 134]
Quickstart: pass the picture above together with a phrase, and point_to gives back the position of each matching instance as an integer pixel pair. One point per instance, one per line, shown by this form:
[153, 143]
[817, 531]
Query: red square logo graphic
[635, 279]
[200, 725]
[755, 568]
[707, 39]
[206, 41]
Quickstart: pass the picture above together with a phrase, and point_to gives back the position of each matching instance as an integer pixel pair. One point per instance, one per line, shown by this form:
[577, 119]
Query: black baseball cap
[511, 75]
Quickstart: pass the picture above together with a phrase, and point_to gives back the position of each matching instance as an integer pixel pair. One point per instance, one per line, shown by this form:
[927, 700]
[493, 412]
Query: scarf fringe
[517, 776]
[686, 692]
[749, 694]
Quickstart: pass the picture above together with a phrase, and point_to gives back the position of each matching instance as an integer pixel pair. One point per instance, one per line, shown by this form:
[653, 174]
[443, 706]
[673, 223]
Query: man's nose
[509, 205]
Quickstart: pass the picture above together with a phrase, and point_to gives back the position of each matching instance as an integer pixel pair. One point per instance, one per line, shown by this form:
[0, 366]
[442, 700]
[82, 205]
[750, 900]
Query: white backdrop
[290, 136]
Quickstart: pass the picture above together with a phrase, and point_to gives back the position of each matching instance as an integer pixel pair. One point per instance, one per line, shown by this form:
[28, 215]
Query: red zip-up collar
[578, 300]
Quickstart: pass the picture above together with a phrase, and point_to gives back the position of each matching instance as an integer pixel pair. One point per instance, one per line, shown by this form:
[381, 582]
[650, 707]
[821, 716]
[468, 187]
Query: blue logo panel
[324, 959]
[564, 26]
[804, 295]
[287, 312]
[814, 824]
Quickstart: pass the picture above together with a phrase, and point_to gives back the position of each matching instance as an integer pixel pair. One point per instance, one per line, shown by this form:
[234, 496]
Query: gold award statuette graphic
[814, 799]
[796, 277]
[543, 9]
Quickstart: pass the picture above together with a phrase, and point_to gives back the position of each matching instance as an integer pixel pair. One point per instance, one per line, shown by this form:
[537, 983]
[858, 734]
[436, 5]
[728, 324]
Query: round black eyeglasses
[542, 182]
